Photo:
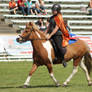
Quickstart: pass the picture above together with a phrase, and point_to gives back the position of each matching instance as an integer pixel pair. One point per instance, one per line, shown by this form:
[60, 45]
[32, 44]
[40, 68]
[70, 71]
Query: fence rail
[5, 58]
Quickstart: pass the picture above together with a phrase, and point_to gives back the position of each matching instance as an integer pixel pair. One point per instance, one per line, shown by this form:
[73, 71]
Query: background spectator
[83, 9]
[40, 23]
[90, 3]
[29, 6]
[66, 25]
[47, 23]
[42, 8]
[12, 7]
[90, 7]
[37, 8]
[68, 28]
[21, 6]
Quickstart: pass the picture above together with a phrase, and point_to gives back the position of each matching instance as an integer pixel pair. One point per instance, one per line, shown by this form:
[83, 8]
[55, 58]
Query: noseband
[25, 38]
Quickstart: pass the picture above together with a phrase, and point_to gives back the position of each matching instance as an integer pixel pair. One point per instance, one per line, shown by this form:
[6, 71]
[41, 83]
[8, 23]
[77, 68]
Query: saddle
[56, 50]
[57, 53]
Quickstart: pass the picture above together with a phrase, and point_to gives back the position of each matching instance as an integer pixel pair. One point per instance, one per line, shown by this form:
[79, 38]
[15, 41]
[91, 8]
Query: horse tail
[88, 61]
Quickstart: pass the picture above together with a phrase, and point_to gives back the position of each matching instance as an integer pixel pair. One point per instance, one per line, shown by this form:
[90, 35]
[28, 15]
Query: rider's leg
[58, 41]
[54, 46]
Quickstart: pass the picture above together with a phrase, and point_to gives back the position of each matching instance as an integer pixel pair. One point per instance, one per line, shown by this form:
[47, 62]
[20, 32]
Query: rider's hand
[48, 36]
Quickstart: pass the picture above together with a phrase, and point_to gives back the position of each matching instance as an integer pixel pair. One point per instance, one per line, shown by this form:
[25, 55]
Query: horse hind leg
[49, 66]
[82, 65]
[75, 70]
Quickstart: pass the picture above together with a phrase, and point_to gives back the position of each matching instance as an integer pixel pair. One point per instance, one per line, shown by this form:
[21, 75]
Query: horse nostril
[17, 39]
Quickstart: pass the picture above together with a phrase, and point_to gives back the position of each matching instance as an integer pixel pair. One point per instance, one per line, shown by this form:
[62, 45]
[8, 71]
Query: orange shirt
[12, 4]
[60, 23]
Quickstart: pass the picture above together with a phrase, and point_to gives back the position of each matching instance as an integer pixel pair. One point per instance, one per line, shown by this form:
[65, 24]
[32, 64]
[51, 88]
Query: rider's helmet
[56, 7]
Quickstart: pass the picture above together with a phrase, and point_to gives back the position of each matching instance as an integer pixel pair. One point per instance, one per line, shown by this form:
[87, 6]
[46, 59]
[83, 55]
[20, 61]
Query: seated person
[29, 7]
[12, 7]
[21, 6]
[47, 23]
[42, 8]
[40, 23]
[89, 8]
[36, 9]
[66, 25]
[68, 28]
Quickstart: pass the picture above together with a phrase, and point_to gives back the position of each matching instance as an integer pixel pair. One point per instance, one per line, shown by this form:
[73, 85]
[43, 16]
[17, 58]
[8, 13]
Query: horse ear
[27, 24]
[30, 23]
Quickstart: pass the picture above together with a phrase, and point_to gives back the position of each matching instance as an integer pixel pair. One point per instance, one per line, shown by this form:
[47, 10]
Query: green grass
[14, 74]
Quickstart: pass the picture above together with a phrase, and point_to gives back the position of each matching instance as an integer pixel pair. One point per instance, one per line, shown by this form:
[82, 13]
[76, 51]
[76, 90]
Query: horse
[43, 54]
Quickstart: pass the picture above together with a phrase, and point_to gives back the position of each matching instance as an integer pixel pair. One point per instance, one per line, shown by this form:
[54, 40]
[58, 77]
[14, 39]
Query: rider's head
[56, 9]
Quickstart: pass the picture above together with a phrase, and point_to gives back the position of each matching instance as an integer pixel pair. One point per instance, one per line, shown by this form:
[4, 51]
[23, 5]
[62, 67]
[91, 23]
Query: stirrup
[64, 63]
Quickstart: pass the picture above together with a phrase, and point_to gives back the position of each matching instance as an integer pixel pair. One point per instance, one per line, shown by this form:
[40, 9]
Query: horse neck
[42, 36]
[38, 37]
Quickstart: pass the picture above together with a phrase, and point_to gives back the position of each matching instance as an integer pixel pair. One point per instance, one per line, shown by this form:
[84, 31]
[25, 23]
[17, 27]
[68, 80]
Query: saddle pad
[72, 41]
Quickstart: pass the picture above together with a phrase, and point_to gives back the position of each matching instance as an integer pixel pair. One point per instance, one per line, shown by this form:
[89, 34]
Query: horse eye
[26, 31]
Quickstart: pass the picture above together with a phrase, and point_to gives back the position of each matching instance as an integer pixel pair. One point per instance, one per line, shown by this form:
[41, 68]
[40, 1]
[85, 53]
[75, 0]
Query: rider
[57, 31]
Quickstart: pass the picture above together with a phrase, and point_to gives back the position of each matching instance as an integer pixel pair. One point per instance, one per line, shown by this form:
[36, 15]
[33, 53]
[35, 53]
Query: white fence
[10, 50]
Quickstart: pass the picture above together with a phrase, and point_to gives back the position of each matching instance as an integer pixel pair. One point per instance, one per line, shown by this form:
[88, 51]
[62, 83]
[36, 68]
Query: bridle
[25, 38]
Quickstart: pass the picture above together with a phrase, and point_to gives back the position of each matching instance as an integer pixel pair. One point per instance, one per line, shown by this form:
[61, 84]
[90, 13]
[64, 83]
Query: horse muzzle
[20, 40]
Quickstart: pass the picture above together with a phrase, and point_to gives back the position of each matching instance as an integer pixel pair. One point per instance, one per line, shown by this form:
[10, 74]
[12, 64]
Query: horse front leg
[49, 66]
[34, 67]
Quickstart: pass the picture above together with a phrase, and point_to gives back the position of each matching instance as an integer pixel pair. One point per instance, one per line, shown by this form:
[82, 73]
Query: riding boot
[64, 63]
[55, 59]
[62, 55]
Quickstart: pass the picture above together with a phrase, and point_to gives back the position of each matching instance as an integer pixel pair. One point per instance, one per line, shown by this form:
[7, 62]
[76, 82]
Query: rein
[34, 39]
[38, 39]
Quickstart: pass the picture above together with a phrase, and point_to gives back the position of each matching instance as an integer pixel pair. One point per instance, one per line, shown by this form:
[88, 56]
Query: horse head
[27, 34]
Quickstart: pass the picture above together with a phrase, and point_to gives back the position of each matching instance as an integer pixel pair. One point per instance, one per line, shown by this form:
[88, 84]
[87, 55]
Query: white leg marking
[38, 34]
[82, 65]
[54, 79]
[47, 45]
[27, 80]
[75, 69]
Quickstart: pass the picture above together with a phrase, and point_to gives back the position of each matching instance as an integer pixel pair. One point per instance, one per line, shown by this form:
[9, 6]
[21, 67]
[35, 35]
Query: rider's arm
[46, 31]
[54, 31]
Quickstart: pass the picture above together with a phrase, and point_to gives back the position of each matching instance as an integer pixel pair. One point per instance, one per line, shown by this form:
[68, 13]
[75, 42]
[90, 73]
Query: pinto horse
[43, 54]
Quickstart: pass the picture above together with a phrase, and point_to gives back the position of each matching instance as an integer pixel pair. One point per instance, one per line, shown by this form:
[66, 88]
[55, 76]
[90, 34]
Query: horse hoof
[57, 85]
[26, 86]
[90, 84]
[23, 86]
[64, 85]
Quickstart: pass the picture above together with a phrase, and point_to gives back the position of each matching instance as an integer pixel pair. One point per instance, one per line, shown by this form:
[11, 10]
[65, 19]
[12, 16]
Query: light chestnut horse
[43, 54]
